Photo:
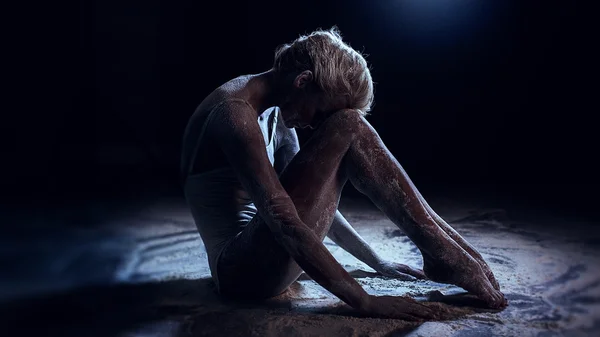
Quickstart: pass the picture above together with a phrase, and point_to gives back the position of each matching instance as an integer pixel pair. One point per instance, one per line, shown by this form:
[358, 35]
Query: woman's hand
[399, 271]
[400, 307]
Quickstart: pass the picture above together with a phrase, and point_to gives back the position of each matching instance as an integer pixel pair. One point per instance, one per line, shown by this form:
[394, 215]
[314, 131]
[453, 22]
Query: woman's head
[322, 74]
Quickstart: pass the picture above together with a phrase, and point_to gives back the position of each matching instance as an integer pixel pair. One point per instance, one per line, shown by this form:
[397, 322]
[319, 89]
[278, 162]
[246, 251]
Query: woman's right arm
[235, 129]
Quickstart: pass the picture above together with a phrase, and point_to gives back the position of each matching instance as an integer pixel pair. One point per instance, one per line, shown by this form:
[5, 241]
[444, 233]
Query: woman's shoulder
[230, 92]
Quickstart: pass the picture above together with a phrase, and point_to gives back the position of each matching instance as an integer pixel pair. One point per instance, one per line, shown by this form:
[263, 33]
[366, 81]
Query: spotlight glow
[436, 18]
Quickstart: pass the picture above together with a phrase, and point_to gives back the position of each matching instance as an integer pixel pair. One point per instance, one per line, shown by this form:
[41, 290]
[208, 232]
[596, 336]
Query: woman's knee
[348, 121]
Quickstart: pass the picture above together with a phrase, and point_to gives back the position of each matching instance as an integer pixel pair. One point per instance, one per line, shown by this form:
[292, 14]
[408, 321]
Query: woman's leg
[254, 264]
[377, 174]
[461, 242]
[346, 147]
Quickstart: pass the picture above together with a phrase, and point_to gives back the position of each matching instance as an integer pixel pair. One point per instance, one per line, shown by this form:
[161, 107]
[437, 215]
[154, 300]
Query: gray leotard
[220, 206]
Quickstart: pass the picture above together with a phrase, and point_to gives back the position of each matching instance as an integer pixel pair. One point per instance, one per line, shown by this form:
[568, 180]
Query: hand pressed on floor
[400, 307]
[399, 271]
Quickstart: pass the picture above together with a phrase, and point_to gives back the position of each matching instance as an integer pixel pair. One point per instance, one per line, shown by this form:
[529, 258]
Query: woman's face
[304, 105]
[299, 109]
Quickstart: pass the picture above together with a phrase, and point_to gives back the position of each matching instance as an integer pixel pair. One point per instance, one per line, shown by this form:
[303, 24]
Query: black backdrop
[496, 94]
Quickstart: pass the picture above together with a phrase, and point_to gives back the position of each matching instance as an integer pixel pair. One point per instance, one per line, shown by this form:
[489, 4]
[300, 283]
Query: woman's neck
[264, 91]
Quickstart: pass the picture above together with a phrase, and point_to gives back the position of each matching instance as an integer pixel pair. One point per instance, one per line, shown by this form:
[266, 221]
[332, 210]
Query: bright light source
[436, 18]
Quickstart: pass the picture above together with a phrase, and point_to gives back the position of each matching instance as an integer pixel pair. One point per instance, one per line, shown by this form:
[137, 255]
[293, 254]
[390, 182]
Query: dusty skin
[297, 198]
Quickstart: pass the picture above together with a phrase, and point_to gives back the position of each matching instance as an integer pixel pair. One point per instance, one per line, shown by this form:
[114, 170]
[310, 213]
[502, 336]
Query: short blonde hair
[339, 70]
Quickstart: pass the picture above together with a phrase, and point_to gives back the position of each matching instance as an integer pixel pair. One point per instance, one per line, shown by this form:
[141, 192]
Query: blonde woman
[263, 206]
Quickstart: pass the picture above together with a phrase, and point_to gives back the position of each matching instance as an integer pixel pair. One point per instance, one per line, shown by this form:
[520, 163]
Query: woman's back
[220, 206]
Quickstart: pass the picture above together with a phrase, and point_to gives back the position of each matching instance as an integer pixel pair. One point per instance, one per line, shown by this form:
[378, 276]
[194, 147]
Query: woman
[263, 206]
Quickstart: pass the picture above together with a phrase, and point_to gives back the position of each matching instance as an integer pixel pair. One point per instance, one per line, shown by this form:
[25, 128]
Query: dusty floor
[144, 273]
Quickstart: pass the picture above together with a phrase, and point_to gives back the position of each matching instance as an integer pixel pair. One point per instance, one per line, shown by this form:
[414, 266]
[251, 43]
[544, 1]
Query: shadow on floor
[97, 310]
[113, 310]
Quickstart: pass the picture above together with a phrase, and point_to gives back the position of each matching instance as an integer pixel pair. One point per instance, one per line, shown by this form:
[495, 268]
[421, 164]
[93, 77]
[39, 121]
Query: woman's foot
[454, 265]
[470, 250]
[454, 235]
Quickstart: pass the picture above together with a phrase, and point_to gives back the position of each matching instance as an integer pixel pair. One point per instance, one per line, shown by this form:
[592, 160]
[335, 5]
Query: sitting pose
[263, 206]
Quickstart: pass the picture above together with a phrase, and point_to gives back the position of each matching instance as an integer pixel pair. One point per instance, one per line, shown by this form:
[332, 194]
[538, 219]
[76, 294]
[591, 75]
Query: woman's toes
[495, 282]
[499, 300]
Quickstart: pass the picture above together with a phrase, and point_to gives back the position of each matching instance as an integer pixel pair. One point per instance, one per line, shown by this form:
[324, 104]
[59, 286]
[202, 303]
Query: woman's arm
[342, 233]
[345, 236]
[235, 129]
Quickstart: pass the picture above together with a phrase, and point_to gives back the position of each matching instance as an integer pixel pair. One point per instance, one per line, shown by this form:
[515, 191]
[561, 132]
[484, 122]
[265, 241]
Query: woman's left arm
[342, 233]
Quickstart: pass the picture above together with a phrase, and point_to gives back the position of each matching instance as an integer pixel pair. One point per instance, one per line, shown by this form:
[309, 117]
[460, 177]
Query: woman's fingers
[402, 268]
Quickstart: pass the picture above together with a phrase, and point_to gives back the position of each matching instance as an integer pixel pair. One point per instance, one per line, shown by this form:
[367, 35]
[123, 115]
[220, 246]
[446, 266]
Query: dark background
[492, 98]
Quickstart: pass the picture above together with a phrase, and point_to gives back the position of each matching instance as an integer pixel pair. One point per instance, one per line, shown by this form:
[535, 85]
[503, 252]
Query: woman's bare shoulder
[231, 90]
